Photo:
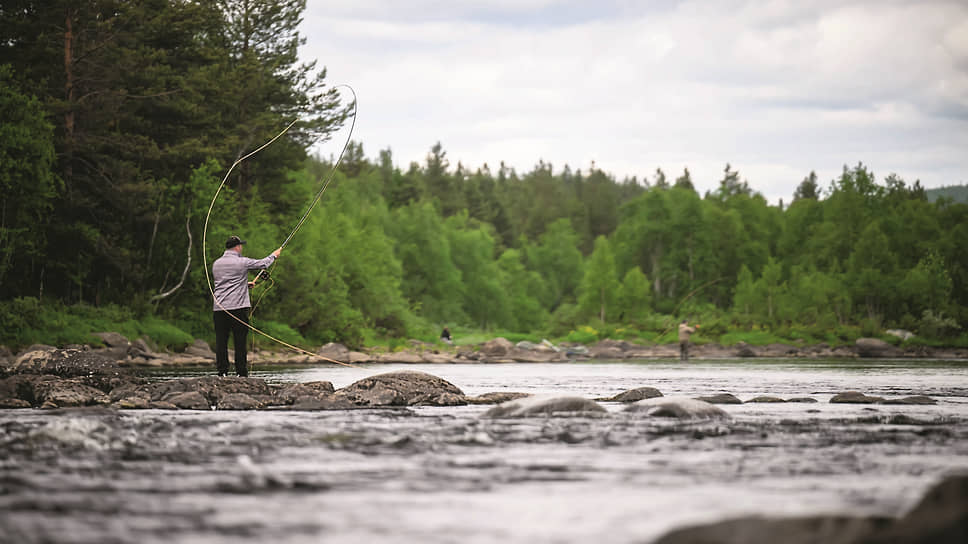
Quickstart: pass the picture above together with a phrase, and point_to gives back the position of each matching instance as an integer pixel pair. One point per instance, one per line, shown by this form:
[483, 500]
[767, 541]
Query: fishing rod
[208, 279]
[265, 274]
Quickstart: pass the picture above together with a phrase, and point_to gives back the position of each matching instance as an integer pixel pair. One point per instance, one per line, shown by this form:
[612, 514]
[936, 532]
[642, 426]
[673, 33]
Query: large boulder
[403, 388]
[877, 348]
[677, 407]
[544, 405]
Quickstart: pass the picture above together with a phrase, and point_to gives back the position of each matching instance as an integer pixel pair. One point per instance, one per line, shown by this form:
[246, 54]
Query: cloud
[776, 88]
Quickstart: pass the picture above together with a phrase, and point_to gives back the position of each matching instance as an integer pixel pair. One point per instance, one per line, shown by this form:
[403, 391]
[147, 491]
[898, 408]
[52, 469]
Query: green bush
[582, 335]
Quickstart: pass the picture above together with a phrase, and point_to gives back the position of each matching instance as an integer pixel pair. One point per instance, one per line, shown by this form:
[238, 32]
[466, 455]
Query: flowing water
[445, 474]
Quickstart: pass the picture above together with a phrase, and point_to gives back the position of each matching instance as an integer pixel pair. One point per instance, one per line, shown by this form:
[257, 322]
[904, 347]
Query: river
[445, 474]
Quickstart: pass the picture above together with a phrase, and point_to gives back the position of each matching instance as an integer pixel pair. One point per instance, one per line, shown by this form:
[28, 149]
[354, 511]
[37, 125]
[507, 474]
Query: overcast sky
[775, 88]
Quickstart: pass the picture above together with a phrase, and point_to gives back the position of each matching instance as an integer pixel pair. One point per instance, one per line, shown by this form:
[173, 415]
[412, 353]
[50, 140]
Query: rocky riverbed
[538, 452]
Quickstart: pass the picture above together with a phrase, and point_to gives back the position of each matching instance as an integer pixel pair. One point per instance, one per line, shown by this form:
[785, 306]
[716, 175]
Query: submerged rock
[496, 397]
[677, 407]
[766, 398]
[721, 398]
[940, 518]
[854, 397]
[805, 530]
[916, 399]
[544, 405]
[403, 388]
[633, 395]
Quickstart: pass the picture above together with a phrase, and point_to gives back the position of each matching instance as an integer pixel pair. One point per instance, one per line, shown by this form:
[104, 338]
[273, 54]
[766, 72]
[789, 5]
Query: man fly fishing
[232, 305]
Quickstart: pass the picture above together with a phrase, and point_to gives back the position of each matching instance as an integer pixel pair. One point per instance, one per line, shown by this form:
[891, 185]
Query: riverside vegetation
[104, 209]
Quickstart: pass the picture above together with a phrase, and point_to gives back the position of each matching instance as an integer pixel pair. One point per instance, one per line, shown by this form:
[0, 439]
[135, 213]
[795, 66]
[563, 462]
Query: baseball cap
[233, 241]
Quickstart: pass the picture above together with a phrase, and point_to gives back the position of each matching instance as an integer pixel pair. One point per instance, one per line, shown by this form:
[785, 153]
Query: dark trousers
[683, 350]
[239, 327]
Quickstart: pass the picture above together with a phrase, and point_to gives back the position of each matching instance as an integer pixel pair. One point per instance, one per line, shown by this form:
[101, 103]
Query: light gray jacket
[231, 275]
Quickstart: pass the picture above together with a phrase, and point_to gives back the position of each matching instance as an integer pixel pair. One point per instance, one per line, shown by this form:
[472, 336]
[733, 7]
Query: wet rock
[288, 394]
[60, 393]
[916, 399]
[766, 399]
[238, 401]
[875, 347]
[544, 405]
[496, 397]
[854, 397]
[38, 347]
[133, 402]
[200, 348]
[496, 347]
[403, 388]
[677, 407]
[806, 530]
[805, 400]
[188, 400]
[17, 389]
[7, 402]
[721, 398]
[210, 387]
[322, 402]
[941, 517]
[97, 370]
[320, 386]
[633, 395]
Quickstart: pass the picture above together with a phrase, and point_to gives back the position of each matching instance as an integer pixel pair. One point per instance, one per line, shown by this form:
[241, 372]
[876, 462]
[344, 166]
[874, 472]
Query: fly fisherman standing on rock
[232, 305]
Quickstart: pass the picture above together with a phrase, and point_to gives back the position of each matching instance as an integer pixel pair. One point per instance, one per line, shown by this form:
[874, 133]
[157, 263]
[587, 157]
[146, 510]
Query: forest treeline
[121, 119]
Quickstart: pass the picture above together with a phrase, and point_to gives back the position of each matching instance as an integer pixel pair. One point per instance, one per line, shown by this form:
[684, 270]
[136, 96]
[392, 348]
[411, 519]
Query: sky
[775, 88]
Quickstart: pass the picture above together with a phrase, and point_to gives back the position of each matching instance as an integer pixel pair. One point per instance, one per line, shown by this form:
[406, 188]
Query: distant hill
[958, 193]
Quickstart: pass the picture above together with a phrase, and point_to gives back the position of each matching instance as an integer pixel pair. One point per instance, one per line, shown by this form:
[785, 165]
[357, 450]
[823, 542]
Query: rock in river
[677, 407]
[633, 395]
[544, 405]
[403, 388]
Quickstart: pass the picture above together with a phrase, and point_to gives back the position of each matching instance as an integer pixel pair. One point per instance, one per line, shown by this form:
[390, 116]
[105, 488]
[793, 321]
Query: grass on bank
[26, 321]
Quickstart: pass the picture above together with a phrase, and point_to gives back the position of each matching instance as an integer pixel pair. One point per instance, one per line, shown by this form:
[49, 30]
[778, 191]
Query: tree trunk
[69, 96]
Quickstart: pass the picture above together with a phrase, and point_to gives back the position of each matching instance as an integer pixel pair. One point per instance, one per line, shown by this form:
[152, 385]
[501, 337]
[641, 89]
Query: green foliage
[161, 98]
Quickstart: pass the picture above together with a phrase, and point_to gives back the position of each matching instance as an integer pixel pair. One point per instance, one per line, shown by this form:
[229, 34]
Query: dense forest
[121, 118]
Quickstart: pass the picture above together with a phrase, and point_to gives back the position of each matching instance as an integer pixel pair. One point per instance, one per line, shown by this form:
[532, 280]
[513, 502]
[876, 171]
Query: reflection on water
[448, 475]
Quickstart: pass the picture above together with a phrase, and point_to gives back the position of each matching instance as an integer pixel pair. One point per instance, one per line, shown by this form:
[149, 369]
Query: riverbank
[138, 353]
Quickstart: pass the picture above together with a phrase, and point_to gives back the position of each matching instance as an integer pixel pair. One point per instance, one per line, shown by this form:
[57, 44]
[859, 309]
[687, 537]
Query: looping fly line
[316, 198]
